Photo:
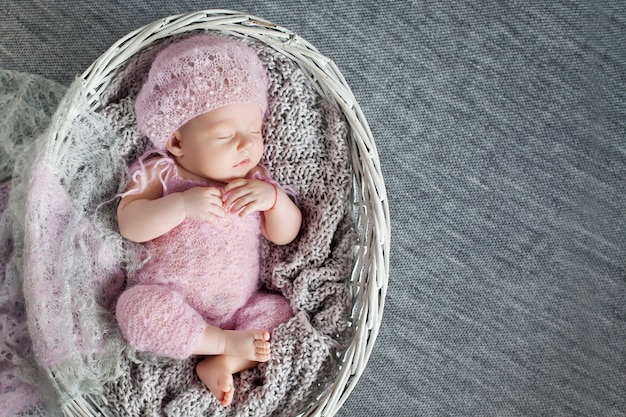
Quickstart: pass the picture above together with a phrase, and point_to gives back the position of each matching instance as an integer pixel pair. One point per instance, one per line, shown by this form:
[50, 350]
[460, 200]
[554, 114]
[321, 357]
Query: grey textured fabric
[501, 131]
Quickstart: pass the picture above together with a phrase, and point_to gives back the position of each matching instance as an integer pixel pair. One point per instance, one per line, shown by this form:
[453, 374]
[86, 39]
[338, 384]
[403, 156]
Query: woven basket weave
[371, 213]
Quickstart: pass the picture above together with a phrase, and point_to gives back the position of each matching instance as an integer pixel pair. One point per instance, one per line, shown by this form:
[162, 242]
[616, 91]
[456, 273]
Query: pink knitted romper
[199, 273]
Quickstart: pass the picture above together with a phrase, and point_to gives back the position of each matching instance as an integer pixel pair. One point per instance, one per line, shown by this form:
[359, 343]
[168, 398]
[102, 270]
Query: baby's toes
[263, 353]
[261, 345]
[261, 335]
[225, 383]
[227, 397]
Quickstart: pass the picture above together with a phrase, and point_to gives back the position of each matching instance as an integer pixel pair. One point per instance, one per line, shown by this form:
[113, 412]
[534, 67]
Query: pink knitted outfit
[199, 273]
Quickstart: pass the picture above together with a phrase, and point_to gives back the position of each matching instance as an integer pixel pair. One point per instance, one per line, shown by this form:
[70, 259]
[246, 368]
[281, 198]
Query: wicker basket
[371, 214]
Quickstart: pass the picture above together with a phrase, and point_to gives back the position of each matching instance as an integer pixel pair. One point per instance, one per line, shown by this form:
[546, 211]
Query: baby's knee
[138, 300]
[157, 319]
[133, 310]
[265, 311]
[127, 305]
[281, 307]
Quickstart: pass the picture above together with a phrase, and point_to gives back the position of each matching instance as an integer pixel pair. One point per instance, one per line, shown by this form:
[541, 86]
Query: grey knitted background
[501, 128]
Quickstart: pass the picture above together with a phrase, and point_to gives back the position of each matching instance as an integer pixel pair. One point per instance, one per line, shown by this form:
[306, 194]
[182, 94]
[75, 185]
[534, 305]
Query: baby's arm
[282, 222]
[148, 214]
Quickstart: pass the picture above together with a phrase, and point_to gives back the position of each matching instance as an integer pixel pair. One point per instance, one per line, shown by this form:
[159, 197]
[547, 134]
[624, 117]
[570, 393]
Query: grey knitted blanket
[61, 204]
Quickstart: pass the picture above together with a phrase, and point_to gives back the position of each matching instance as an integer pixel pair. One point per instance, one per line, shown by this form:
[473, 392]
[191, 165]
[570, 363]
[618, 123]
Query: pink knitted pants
[158, 319]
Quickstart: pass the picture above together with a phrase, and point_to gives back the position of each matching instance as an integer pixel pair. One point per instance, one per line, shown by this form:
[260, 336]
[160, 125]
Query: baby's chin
[254, 171]
[202, 176]
[249, 174]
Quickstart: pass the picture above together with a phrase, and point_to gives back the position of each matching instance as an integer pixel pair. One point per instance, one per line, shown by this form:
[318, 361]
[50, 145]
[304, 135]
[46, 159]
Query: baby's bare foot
[215, 374]
[252, 345]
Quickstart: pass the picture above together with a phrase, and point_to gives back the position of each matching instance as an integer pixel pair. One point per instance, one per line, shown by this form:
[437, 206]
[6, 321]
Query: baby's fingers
[237, 198]
[235, 184]
[203, 204]
[243, 205]
[213, 212]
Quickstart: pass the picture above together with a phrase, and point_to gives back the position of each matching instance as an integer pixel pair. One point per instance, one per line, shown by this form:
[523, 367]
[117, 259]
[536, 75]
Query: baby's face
[223, 144]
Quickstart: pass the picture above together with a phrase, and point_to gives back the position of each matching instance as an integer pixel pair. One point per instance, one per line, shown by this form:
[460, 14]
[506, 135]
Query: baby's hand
[245, 196]
[203, 203]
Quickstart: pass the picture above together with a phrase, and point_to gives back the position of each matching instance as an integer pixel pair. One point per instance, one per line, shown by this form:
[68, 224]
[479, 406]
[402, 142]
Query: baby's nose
[244, 142]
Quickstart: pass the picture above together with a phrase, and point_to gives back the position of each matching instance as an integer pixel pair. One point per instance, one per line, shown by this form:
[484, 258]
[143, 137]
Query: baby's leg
[250, 345]
[157, 319]
[216, 372]
[264, 311]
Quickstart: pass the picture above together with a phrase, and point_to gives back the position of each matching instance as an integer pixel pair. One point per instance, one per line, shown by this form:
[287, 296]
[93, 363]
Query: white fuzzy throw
[65, 263]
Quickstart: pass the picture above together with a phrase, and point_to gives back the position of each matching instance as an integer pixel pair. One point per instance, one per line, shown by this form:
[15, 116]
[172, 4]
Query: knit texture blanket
[65, 263]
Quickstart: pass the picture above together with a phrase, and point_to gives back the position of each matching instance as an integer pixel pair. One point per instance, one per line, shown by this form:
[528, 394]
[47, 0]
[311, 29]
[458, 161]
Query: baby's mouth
[242, 163]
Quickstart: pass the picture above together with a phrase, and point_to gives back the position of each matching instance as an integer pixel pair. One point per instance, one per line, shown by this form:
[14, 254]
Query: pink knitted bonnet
[194, 76]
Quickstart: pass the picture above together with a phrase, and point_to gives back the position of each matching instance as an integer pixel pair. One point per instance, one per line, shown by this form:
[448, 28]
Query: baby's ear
[173, 144]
